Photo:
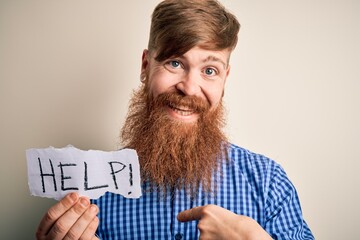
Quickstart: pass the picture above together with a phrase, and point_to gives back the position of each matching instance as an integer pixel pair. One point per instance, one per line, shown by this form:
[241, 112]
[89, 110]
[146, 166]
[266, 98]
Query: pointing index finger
[190, 214]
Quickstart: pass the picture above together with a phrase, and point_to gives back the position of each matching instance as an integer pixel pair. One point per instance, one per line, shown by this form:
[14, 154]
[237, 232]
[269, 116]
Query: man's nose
[189, 84]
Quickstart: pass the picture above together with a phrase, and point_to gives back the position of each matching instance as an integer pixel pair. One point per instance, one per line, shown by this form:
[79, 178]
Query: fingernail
[84, 202]
[73, 196]
[93, 208]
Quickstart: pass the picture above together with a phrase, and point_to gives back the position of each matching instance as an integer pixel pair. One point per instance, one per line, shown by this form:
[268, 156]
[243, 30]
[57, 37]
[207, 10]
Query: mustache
[175, 99]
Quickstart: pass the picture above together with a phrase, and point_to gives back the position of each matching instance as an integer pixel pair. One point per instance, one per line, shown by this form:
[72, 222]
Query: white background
[67, 70]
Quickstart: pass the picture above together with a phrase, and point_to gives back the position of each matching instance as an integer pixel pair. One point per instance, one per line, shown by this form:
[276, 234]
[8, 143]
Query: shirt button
[178, 236]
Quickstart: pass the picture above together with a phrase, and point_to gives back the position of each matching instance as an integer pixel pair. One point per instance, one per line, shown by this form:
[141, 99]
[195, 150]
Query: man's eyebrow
[215, 59]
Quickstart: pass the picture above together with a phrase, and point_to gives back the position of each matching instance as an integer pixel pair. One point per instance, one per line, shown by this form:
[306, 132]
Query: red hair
[179, 25]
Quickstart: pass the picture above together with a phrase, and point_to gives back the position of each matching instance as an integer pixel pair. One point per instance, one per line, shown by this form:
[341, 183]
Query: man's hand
[218, 223]
[71, 218]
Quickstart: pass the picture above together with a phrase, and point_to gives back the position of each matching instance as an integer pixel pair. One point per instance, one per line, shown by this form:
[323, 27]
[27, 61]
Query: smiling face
[175, 119]
[199, 72]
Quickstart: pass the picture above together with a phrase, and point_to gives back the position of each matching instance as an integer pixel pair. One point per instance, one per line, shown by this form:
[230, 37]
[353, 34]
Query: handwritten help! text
[54, 172]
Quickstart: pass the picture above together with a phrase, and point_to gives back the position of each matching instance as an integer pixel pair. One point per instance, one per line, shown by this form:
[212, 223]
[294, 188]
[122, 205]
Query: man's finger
[68, 219]
[190, 214]
[55, 212]
[82, 223]
[89, 233]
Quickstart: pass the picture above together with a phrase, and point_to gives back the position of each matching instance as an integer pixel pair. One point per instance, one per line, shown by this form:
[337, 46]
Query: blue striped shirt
[250, 185]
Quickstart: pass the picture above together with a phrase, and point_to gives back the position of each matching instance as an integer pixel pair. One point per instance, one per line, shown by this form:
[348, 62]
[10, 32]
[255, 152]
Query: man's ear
[144, 65]
[227, 73]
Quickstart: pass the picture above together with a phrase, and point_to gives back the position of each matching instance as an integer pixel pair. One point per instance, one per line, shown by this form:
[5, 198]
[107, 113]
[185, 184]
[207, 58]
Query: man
[195, 184]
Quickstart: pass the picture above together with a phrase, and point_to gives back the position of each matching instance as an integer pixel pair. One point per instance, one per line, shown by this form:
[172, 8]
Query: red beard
[175, 154]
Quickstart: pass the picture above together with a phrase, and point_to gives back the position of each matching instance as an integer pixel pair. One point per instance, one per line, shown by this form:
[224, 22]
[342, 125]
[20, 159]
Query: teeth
[181, 110]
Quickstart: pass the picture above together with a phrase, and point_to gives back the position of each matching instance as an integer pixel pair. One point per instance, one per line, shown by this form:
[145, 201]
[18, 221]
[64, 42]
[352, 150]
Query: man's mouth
[182, 112]
[181, 109]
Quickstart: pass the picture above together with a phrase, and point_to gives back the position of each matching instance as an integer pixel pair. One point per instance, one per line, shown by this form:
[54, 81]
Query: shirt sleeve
[284, 218]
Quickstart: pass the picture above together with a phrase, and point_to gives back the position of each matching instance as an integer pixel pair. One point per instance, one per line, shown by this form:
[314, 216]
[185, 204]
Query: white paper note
[54, 172]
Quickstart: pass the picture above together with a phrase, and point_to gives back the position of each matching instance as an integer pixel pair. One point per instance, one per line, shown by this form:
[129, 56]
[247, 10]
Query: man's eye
[210, 71]
[174, 64]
